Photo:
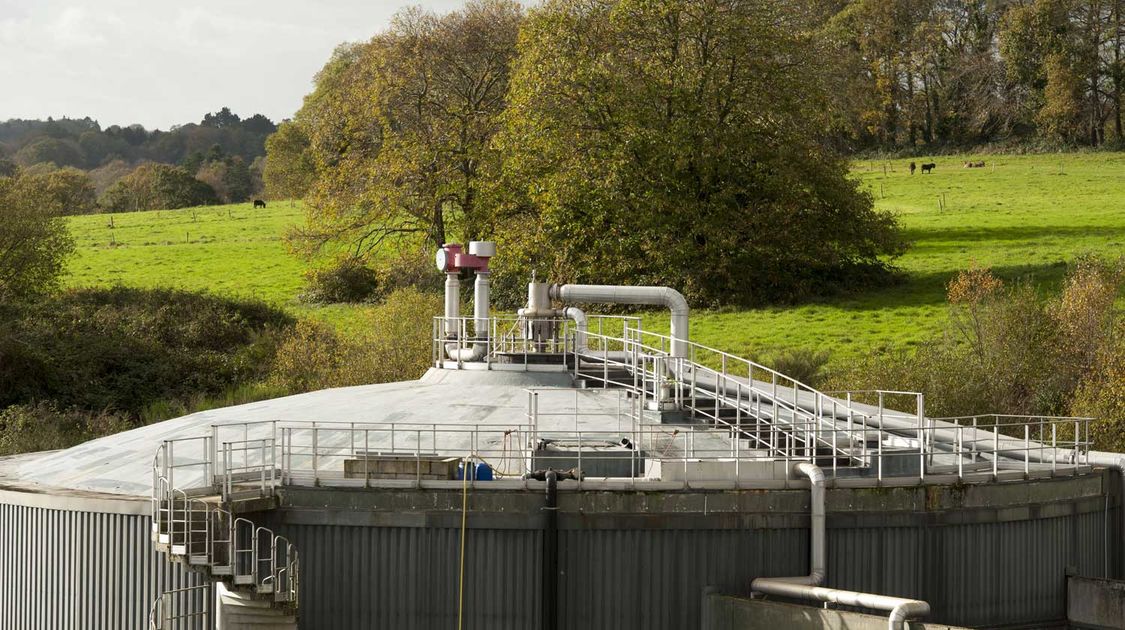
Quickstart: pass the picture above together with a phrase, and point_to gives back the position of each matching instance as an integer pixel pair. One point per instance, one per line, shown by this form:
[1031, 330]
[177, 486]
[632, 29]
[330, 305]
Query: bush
[394, 346]
[43, 427]
[348, 280]
[1010, 350]
[121, 350]
[411, 271]
[803, 364]
[1101, 395]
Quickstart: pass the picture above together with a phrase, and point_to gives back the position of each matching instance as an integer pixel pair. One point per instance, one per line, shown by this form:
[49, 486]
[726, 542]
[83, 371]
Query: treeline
[82, 143]
[219, 160]
[939, 73]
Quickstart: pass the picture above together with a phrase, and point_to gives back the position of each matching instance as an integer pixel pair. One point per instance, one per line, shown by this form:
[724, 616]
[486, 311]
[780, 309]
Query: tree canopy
[399, 129]
[673, 142]
[34, 241]
[608, 140]
[157, 187]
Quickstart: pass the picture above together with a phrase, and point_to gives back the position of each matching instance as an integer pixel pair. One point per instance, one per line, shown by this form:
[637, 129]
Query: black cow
[258, 203]
[926, 168]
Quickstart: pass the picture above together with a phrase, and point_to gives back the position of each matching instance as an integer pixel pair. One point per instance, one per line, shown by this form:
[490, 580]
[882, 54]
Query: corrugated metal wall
[71, 570]
[973, 574]
[653, 579]
[91, 571]
[406, 578]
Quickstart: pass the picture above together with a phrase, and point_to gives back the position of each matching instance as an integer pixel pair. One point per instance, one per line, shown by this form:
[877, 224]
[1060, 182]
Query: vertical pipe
[550, 583]
[452, 301]
[481, 290]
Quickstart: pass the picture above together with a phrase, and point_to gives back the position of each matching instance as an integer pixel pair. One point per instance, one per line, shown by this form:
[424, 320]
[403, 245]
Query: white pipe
[452, 302]
[901, 609]
[481, 304]
[817, 558]
[808, 586]
[478, 349]
[578, 316]
[610, 294]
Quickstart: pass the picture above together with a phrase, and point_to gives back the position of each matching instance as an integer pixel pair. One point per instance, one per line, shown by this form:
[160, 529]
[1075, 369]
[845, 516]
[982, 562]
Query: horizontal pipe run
[901, 609]
[655, 296]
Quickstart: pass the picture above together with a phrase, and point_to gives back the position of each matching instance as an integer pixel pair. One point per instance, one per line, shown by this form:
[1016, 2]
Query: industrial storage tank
[632, 474]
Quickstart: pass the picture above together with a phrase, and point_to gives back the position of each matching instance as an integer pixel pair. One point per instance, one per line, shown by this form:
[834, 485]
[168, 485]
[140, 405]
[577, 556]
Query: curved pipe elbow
[912, 609]
[475, 352]
[670, 298]
[578, 316]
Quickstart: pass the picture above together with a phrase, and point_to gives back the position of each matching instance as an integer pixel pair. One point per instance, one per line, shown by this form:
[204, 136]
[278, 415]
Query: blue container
[479, 472]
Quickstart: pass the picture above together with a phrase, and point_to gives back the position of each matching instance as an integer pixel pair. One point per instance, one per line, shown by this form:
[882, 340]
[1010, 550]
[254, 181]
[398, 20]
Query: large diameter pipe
[481, 298]
[481, 304]
[901, 609]
[808, 587]
[452, 302]
[656, 296]
[581, 326]
[817, 557]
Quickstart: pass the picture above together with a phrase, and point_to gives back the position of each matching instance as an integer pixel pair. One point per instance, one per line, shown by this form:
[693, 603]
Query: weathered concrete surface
[723, 612]
[1095, 603]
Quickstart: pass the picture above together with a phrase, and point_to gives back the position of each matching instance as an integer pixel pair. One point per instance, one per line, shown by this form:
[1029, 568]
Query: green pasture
[1025, 216]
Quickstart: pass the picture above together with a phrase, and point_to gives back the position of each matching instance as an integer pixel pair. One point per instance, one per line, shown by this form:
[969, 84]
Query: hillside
[1023, 215]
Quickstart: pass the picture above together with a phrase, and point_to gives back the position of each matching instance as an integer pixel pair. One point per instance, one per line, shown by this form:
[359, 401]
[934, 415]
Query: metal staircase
[255, 571]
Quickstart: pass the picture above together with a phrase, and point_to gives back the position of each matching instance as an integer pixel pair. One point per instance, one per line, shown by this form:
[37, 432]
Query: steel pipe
[657, 296]
[808, 587]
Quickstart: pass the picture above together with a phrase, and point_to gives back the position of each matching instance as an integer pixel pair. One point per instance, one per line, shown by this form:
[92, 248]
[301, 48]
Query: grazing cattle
[912, 167]
[926, 168]
[258, 203]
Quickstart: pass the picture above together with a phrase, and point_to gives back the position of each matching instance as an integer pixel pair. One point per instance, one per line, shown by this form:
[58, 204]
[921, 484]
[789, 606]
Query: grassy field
[1025, 216]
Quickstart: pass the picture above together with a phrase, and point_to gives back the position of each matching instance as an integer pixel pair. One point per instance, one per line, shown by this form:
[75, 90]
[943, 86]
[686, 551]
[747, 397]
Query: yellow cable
[464, 517]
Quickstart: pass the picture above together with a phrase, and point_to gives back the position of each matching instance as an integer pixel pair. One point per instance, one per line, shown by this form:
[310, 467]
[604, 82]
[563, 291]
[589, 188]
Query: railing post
[995, 447]
[1054, 449]
[960, 452]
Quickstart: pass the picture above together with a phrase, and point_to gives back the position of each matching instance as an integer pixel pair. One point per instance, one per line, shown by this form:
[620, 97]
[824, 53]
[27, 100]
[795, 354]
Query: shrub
[803, 364]
[1010, 350]
[411, 270]
[348, 280]
[123, 349]
[1101, 395]
[43, 427]
[393, 346]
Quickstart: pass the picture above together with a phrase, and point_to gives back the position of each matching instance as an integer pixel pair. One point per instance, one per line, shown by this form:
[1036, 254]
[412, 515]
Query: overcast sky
[163, 62]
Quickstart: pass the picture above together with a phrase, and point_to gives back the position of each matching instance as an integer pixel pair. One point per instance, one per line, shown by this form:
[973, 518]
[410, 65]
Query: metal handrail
[162, 610]
[175, 514]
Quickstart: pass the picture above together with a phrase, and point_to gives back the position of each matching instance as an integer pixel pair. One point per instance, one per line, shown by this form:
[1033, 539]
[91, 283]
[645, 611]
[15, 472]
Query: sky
[161, 62]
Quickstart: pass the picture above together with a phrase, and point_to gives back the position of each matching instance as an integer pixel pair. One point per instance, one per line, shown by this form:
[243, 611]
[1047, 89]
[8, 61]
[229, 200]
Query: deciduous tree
[675, 142]
[34, 241]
